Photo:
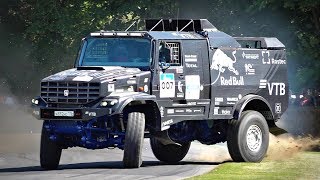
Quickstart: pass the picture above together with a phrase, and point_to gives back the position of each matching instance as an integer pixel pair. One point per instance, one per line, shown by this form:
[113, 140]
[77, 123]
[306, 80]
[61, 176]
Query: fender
[239, 107]
[124, 98]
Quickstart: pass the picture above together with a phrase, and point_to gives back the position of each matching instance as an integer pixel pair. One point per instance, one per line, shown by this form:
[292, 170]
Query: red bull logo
[220, 61]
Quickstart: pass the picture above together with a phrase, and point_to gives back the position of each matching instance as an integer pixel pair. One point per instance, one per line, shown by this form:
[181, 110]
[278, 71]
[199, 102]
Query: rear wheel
[171, 153]
[50, 151]
[134, 140]
[248, 137]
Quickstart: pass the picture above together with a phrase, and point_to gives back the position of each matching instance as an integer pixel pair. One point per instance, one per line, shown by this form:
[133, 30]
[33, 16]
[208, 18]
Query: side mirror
[164, 66]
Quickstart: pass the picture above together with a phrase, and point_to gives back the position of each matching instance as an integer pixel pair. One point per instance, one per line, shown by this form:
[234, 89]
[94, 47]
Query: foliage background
[41, 37]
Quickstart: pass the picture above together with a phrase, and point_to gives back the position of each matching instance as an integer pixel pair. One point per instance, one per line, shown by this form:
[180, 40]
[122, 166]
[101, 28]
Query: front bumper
[42, 112]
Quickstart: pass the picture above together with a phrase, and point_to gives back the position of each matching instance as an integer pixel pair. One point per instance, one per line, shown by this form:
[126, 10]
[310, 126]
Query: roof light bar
[122, 34]
[136, 34]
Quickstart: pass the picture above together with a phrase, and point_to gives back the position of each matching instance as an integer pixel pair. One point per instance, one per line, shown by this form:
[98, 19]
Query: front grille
[70, 92]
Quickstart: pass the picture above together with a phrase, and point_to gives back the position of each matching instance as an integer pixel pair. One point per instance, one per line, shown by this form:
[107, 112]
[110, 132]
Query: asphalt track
[78, 163]
[19, 156]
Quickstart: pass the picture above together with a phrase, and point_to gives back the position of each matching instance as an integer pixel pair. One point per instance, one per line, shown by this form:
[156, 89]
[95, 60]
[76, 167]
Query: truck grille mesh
[70, 92]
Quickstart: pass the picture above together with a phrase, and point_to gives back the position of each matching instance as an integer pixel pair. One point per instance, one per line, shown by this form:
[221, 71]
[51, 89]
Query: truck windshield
[126, 52]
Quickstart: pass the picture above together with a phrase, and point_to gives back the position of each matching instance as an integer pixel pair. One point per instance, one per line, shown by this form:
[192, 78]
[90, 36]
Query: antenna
[138, 25]
[177, 28]
[130, 26]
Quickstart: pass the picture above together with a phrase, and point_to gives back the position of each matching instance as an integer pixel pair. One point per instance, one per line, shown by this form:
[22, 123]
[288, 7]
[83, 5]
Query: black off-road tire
[50, 152]
[171, 153]
[134, 140]
[248, 137]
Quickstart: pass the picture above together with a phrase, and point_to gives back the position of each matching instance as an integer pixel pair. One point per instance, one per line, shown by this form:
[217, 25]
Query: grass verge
[304, 165]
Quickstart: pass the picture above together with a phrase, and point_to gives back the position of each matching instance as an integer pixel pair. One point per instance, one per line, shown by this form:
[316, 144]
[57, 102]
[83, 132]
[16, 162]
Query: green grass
[304, 165]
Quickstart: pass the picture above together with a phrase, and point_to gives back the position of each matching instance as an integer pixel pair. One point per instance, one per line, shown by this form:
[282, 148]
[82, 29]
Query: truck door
[180, 85]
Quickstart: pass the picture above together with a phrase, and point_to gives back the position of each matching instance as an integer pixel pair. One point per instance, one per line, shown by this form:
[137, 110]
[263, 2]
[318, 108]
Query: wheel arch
[143, 103]
[256, 103]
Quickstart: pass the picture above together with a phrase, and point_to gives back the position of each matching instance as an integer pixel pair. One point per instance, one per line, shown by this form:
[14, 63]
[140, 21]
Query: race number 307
[167, 85]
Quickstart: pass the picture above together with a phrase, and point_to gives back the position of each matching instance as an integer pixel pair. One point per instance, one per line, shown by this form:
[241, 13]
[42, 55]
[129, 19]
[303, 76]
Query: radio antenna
[177, 28]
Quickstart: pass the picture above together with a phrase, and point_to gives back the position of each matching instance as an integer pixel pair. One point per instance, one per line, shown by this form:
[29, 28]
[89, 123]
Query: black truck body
[181, 80]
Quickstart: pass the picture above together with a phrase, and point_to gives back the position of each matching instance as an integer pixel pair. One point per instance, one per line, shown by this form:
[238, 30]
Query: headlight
[113, 102]
[108, 102]
[35, 101]
[104, 103]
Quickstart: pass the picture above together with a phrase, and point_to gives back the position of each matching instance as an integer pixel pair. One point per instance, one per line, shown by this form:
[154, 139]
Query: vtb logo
[274, 88]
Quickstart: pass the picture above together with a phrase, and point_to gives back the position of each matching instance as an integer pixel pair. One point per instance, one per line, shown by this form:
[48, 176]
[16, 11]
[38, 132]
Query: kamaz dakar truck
[176, 82]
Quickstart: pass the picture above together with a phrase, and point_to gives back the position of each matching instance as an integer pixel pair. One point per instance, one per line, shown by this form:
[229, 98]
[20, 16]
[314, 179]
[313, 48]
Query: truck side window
[169, 52]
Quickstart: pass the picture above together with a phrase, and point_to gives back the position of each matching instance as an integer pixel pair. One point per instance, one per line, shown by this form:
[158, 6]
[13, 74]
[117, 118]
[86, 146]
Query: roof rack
[179, 25]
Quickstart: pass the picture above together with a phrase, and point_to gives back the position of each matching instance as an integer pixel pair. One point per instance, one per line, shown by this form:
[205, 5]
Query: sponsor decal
[110, 87]
[66, 93]
[131, 81]
[83, 78]
[203, 103]
[274, 88]
[168, 122]
[180, 86]
[170, 111]
[250, 56]
[221, 62]
[249, 69]
[232, 100]
[278, 108]
[188, 110]
[179, 110]
[145, 80]
[225, 112]
[167, 85]
[218, 99]
[232, 81]
[267, 60]
[190, 58]
[161, 111]
[197, 110]
[265, 57]
[145, 88]
[192, 86]
[278, 61]
[179, 70]
[189, 65]
[180, 95]
[216, 110]
[192, 103]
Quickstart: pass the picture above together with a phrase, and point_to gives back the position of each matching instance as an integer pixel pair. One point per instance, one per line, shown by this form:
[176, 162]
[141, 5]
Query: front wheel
[50, 151]
[133, 144]
[171, 153]
[248, 137]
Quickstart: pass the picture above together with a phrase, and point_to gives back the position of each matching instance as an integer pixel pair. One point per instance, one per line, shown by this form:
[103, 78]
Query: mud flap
[275, 130]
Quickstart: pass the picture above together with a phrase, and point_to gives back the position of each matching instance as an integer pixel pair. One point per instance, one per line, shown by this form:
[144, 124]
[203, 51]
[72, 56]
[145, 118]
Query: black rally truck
[176, 82]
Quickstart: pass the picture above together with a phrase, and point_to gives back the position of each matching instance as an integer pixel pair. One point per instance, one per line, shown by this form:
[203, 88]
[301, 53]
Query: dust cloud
[208, 153]
[286, 146]
[19, 130]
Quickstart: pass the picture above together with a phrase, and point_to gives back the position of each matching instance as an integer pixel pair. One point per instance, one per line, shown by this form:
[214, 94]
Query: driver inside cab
[164, 53]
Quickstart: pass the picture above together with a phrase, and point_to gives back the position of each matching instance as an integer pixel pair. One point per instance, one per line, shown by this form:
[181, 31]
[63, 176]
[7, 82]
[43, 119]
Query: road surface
[78, 163]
